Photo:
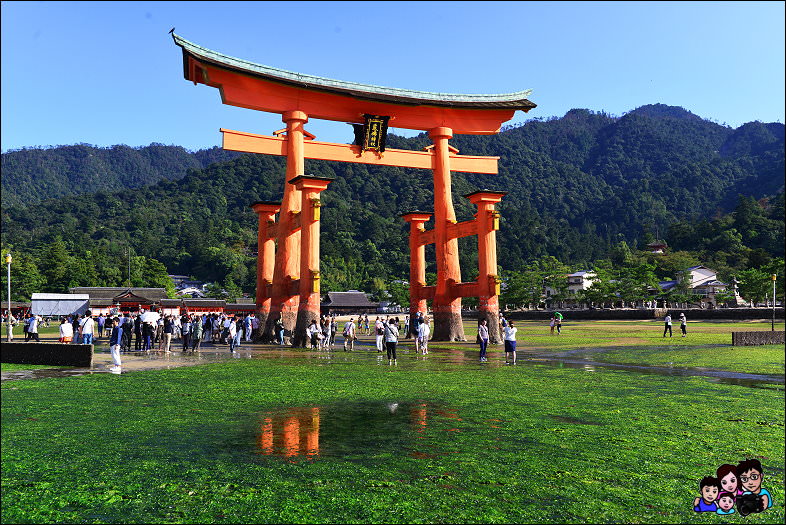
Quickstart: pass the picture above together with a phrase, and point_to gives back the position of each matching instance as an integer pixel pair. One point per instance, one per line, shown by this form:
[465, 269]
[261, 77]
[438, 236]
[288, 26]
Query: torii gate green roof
[517, 100]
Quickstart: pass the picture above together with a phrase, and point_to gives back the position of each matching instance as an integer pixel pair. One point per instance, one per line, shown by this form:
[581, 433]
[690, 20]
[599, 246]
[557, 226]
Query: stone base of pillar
[448, 326]
[288, 318]
[413, 313]
[260, 335]
[492, 321]
[304, 318]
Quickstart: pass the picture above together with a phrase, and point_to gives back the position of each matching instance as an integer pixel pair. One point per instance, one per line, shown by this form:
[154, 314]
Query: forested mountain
[31, 175]
[580, 188]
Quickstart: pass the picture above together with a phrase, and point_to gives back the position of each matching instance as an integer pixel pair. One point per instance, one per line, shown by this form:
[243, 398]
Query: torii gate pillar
[286, 297]
[447, 304]
[488, 290]
[266, 244]
[309, 187]
[417, 266]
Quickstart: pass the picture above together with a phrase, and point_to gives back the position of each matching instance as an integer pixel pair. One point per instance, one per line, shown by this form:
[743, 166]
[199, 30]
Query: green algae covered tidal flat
[303, 437]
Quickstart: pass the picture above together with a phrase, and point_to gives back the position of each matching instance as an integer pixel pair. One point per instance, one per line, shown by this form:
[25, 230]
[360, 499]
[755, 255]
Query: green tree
[25, 277]
[603, 290]
[156, 276]
[634, 283]
[398, 291]
[754, 285]
[55, 262]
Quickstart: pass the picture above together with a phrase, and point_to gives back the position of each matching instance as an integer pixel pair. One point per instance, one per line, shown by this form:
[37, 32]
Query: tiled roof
[169, 302]
[204, 302]
[349, 299]
[110, 292]
[59, 296]
[517, 100]
[713, 282]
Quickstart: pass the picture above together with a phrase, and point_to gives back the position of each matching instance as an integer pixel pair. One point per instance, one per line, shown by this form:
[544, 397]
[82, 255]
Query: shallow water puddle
[352, 429]
[720, 376]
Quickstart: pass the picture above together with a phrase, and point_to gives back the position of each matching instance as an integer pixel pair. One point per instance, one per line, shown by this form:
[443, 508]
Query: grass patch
[14, 367]
[765, 359]
[465, 444]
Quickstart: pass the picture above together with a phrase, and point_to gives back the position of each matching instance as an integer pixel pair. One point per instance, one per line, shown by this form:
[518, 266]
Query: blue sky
[108, 73]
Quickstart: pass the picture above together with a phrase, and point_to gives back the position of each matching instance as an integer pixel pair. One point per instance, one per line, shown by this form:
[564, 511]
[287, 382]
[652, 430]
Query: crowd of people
[142, 333]
[137, 332]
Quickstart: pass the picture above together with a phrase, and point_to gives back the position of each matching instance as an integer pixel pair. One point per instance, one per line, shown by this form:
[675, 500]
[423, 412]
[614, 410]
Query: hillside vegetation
[580, 188]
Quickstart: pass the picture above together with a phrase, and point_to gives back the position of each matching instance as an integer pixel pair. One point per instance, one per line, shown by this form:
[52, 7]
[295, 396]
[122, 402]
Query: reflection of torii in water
[296, 431]
[288, 277]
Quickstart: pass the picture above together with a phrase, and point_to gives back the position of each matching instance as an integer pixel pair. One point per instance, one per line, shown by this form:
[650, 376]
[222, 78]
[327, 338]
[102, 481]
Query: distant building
[351, 302]
[191, 291]
[178, 279]
[203, 306]
[18, 308]
[105, 299]
[59, 304]
[702, 282]
[242, 306]
[657, 247]
[577, 282]
[184, 281]
[170, 307]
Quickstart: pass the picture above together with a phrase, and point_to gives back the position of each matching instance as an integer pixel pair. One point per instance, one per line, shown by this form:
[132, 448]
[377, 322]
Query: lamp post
[774, 278]
[8, 260]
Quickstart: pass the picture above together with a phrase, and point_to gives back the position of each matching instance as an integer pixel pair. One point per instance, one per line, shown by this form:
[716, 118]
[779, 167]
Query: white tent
[59, 304]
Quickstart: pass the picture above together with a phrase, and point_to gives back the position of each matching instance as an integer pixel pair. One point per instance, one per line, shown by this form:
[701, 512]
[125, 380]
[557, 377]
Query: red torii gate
[288, 277]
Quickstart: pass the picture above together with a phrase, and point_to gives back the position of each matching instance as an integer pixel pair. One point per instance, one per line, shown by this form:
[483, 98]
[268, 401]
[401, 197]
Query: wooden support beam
[426, 237]
[295, 221]
[313, 149]
[272, 230]
[455, 231]
[427, 292]
[463, 229]
[465, 289]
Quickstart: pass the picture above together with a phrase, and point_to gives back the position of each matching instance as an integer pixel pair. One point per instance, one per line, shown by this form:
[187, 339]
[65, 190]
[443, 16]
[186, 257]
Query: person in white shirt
[231, 332]
[87, 328]
[349, 335]
[667, 325]
[66, 331]
[247, 327]
[379, 330]
[422, 337]
[313, 333]
[483, 339]
[32, 327]
[510, 341]
[391, 339]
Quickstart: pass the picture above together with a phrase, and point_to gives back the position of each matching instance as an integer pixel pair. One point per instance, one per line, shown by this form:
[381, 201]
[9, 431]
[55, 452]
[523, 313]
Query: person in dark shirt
[138, 333]
[115, 339]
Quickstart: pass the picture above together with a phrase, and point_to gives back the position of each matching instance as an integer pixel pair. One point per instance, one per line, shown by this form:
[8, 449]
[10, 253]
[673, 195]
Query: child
[709, 488]
[725, 503]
